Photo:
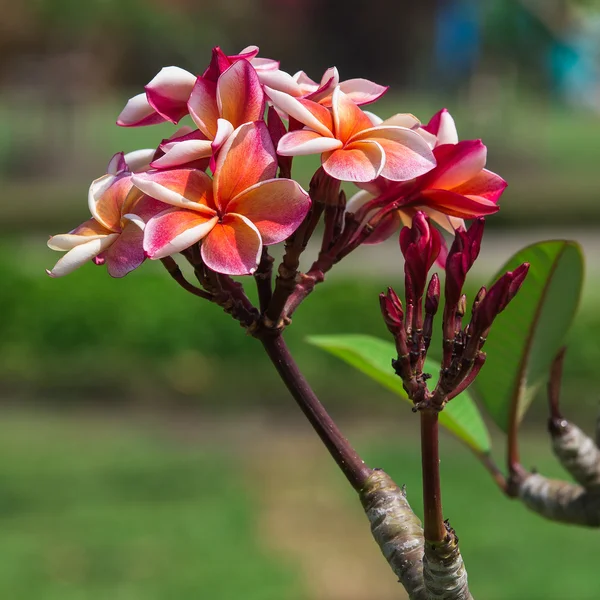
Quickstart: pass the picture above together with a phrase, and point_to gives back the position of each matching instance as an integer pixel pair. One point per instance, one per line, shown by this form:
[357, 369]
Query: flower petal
[486, 184]
[407, 154]
[276, 207]
[450, 224]
[106, 197]
[233, 246]
[224, 130]
[81, 254]
[174, 230]
[348, 119]
[246, 158]
[281, 81]
[359, 199]
[456, 164]
[116, 164]
[88, 230]
[309, 113]
[457, 205]
[362, 91]
[203, 108]
[138, 112]
[126, 253]
[363, 162]
[142, 206]
[139, 160]
[181, 153]
[185, 188]
[169, 91]
[240, 97]
[442, 125]
[403, 120]
[305, 141]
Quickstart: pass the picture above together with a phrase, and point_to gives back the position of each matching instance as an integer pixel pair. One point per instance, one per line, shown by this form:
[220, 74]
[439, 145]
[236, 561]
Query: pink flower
[458, 188]
[113, 236]
[167, 95]
[234, 214]
[351, 148]
[360, 91]
[217, 108]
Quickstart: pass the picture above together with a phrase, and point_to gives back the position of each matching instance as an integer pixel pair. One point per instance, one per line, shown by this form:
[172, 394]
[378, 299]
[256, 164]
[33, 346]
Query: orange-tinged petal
[456, 205]
[185, 188]
[309, 113]
[276, 207]
[485, 184]
[240, 96]
[174, 230]
[126, 253]
[407, 154]
[81, 254]
[246, 158]
[363, 162]
[348, 119]
[203, 107]
[305, 141]
[106, 197]
[233, 246]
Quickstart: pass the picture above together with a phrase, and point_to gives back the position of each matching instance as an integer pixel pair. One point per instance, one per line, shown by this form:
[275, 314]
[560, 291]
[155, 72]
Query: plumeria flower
[217, 109]
[458, 188]
[234, 214]
[300, 85]
[114, 234]
[351, 148]
[442, 128]
[167, 95]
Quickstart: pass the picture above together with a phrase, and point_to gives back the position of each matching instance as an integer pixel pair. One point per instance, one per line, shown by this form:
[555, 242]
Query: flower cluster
[246, 120]
[462, 346]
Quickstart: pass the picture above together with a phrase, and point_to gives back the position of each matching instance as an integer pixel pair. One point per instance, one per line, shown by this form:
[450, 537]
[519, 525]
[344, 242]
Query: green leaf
[525, 337]
[374, 357]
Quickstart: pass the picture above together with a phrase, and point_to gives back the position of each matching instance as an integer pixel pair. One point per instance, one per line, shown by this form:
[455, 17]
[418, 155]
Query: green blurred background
[147, 449]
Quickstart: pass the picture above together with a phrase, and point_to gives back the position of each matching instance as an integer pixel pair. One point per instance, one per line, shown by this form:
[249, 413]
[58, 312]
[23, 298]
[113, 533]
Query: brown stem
[433, 520]
[263, 277]
[175, 272]
[345, 456]
[492, 468]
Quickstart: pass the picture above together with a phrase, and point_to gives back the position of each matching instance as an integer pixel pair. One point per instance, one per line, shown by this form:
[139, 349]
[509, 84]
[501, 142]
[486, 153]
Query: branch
[175, 272]
[263, 277]
[345, 456]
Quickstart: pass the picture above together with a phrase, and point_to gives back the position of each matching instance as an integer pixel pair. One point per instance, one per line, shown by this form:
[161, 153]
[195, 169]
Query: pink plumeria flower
[217, 109]
[351, 148]
[114, 234]
[458, 188]
[234, 214]
[167, 95]
[300, 85]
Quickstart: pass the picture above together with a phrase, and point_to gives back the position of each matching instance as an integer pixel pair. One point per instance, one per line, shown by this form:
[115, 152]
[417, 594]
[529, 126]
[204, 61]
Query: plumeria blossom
[351, 148]
[458, 188]
[166, 95]
[300, 85]
[217, 108]
[114, 234]
[234, 214]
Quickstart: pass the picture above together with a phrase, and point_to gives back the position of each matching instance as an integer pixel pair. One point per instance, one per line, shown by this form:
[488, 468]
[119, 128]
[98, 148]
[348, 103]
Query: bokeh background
[147, 449]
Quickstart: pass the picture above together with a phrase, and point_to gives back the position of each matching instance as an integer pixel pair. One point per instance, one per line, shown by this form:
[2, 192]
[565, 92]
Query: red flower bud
[497, 298]
[420, 245]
